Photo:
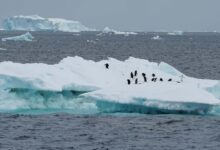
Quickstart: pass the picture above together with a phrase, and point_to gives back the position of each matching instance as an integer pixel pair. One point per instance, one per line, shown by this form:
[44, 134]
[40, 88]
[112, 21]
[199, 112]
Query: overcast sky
[136, 15]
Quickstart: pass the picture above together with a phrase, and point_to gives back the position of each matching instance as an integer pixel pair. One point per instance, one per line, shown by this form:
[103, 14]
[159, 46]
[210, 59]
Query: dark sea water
[194, 54]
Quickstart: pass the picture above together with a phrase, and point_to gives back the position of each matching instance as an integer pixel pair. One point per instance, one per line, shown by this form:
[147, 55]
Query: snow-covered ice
[24, 37]
[110, 85]
[37, 23]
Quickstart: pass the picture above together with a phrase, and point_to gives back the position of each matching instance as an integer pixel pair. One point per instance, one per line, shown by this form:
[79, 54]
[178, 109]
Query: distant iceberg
[175, 33]
[157, 37]
[24, 37]
[112, 31]
[37, 23]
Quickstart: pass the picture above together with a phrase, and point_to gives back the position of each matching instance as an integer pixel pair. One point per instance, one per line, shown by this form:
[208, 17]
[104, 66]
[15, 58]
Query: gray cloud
[139, 15]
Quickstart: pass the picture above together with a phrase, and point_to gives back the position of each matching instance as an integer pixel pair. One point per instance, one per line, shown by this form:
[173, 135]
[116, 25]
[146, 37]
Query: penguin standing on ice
[153, 79]
[107, 66]
[170, 80]
[136, 81]
[128, 81]
[161, 79]
[132, 75]
[135, 73]
[144, 76]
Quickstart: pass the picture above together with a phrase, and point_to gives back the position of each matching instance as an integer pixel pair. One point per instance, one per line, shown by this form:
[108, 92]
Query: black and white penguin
[107, 66]
[161, 79]
[136, 81]
[170, 80]
[128, 81]
[144, 76]
[132, 75]
[145, 79]
[135, 73]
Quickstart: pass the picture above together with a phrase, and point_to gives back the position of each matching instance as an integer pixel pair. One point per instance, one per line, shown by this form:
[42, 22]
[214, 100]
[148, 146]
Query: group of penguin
[133, 76]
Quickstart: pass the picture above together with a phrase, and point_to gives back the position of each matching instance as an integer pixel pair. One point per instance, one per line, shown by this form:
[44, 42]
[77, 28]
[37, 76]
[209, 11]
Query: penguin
[161, 79]
[153, 75]
[155, 79]
[107, 66]
[145, 79]
[135, 73]
[144, 76]
[170, 80]
[129, 82]
[136, 81]
[132, 76]
[152, 79]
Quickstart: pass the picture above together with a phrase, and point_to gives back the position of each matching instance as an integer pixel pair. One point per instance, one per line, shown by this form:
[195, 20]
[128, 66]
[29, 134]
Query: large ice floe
[112, 31]
[24, 37]
[77, 85]
[37, 23]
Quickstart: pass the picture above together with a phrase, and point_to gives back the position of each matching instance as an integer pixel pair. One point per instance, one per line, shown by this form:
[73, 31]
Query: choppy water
[193, 54]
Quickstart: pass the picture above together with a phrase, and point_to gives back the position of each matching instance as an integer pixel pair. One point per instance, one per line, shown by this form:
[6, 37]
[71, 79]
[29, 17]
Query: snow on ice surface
[24, 37]
[112, 31]
[37, 23]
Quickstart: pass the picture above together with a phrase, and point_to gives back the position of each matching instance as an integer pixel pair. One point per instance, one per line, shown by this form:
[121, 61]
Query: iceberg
[37, 23]
[77, 85]
[112, 31]
[24, 37]
[175, 33]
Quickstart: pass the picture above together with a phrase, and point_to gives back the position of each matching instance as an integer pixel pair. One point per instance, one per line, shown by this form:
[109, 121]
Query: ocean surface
[194, 54]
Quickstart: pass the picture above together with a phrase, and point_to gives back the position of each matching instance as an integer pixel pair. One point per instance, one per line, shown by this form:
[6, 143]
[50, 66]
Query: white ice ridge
[24, 37]
[37, 23]
[100, 83]
[112, 31]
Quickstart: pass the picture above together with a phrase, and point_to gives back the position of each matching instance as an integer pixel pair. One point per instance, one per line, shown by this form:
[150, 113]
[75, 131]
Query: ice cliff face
[37, 23]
